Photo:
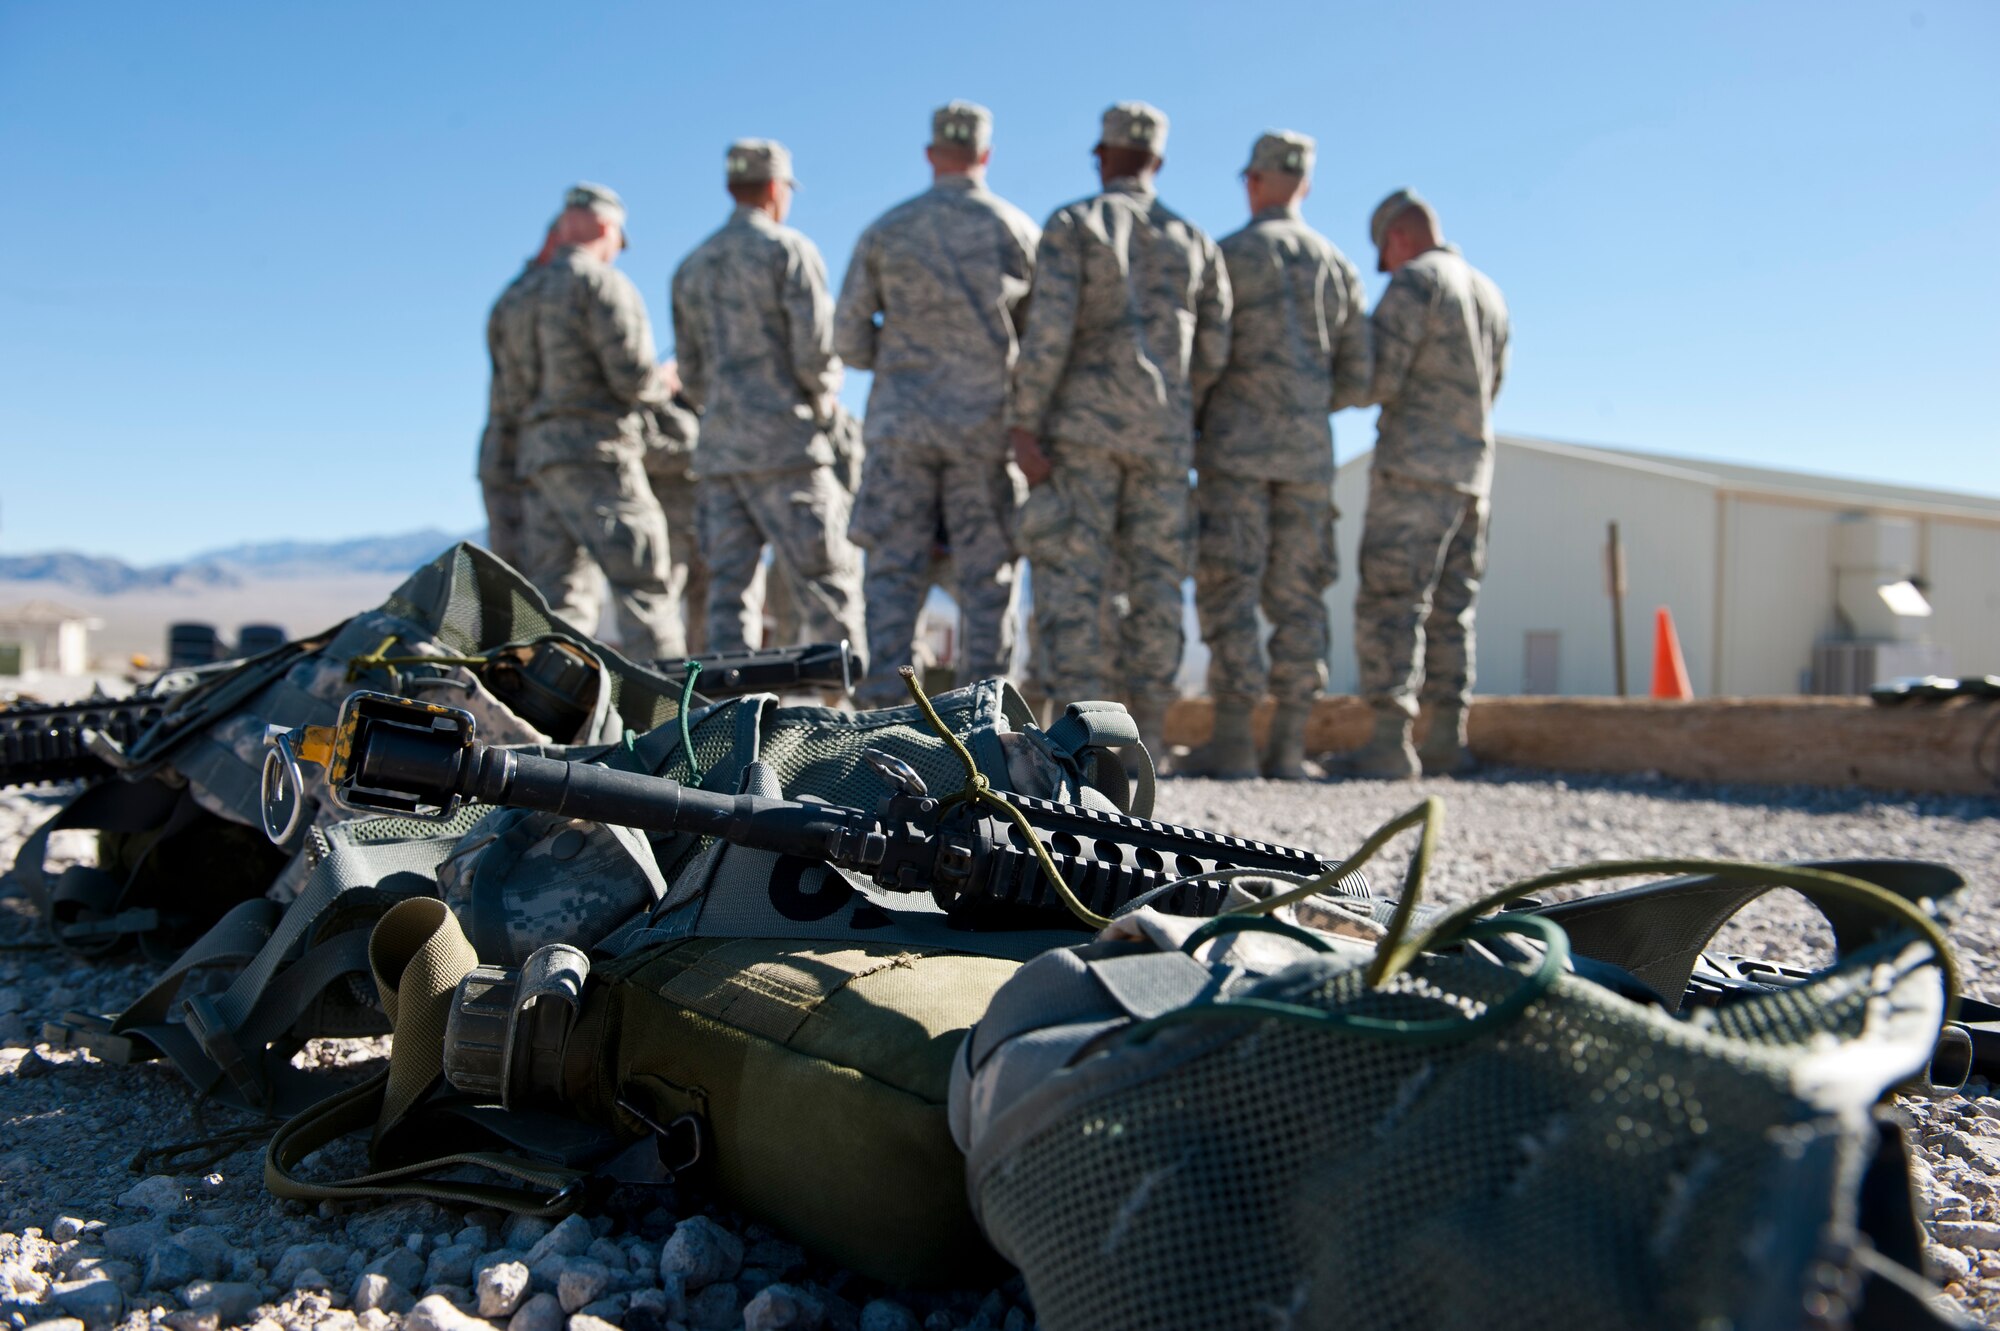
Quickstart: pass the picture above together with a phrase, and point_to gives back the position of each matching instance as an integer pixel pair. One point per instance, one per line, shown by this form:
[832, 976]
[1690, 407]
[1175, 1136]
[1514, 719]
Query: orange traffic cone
[1670, 672]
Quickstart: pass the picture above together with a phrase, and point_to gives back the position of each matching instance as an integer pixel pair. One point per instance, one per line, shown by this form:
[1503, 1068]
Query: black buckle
[219, 1042]
[678, 1146]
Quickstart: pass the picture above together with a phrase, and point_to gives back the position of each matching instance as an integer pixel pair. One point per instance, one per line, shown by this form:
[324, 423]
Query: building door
[1542, 673]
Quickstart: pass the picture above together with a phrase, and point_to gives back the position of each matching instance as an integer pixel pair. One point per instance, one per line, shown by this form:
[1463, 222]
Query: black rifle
[417, 759]
[46, 741]
[816, 665]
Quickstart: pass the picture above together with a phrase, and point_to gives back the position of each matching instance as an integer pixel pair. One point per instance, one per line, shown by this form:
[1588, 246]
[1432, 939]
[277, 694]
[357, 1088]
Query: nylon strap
[1107, 726]
[418, 954]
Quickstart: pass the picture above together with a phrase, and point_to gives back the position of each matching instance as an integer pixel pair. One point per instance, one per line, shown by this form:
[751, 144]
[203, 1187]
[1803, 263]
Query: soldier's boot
[1444, 751]
[1151, 719]
[1231, 751]
[1387, 756]
[1285, 746]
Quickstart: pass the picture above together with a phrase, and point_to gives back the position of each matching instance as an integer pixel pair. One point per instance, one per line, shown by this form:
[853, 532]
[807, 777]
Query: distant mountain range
[233, 565]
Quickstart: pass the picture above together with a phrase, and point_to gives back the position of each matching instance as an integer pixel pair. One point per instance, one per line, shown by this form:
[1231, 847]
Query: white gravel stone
[783, 1308]
[450, 1265]
[434, 1312]
[301, 1257]
[68, 1227]
[377, 1291]
[95, 1303]
[701, 1252]
[1951, 1264]
[524, 1231]
[610, 1308]
[540, 1313]
[568, 1239]
[582, 1282]
[230, 1300]
[652, 1308]
[135, 1242]
[501, 1288]
[161, 1194]
[170, 1265]
[401, 1266]
[1969, 1234]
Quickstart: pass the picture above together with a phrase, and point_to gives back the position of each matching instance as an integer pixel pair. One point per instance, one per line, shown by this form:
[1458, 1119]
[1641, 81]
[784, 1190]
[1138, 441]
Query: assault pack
[929, 989]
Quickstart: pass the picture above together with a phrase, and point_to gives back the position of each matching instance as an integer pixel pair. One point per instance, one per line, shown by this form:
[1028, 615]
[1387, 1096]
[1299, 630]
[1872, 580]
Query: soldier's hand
[1028, 455]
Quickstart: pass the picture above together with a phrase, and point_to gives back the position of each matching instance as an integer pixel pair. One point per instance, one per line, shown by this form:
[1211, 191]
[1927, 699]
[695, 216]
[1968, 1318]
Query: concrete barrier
[1950, 747]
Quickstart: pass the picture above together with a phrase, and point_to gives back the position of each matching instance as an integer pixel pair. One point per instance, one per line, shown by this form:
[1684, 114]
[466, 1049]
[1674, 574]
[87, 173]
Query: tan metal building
[1779, 582]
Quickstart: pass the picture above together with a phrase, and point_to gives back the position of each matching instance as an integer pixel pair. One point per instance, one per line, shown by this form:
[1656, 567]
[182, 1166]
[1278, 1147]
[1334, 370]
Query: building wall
[1546, 569]
[1962, 567]
[1748, 575]
[1778, 599]
[1778, 595]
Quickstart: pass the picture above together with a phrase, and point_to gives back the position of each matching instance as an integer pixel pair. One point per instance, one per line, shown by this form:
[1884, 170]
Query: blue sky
[253, 245]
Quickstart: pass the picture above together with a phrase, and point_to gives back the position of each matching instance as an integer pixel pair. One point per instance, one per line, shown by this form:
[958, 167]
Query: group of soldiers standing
[1038, 392]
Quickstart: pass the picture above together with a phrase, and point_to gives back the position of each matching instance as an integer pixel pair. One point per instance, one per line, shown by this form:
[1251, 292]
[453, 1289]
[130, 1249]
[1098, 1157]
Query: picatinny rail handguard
[416, 759]
[49, 742]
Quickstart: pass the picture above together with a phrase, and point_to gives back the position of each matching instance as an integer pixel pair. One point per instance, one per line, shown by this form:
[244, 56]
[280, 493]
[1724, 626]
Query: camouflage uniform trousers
[909, 493]
[687, 570]
[1268, 544]
[608, 510]
[801, 513]
[580, 599]
[1109, 516]
[1422, 551]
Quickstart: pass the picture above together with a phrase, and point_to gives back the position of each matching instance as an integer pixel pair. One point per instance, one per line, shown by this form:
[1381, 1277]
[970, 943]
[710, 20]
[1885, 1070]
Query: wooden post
[1615, 578]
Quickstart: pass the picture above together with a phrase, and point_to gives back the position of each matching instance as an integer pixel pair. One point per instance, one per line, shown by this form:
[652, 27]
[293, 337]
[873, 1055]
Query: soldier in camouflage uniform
[583, 431]
[1440, 334]
[673, 433]
[753, 331]
[1128, 327]
[947, 273]
[510, 345]
[1298, 350]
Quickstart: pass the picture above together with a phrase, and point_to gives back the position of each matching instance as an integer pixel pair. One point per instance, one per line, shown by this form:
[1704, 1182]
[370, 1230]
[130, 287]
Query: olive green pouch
[820, 1073]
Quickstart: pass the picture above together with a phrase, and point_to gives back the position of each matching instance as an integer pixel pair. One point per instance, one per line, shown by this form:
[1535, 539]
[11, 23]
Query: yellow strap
[978, 788]
[418, 953]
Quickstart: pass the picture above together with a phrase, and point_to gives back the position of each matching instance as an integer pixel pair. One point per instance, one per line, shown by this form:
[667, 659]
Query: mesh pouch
[1248, 1140]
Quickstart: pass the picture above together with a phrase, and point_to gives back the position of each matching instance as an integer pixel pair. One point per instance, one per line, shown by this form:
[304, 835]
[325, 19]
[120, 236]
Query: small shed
[42, 637]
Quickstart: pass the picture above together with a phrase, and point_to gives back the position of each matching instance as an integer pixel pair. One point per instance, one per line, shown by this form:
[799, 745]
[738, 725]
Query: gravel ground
[85, 1238]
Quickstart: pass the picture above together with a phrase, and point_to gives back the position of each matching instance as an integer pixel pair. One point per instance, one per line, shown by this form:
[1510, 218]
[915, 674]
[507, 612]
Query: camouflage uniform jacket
[1440, 354]
[593, 364]
[753, 331]
[948, 271]
[510, 346]
[1298, 350]
[1128, 326]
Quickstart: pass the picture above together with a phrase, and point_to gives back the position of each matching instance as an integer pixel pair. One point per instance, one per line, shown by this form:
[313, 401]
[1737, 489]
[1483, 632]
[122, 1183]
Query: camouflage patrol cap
[962, 125]
[599, 199]
[1393, 207]
[1282, 150]
[1135, 125]
[754, 161]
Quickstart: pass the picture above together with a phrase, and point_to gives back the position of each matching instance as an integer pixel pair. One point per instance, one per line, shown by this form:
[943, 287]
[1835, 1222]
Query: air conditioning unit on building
[1879, 605]
[1856, 667]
